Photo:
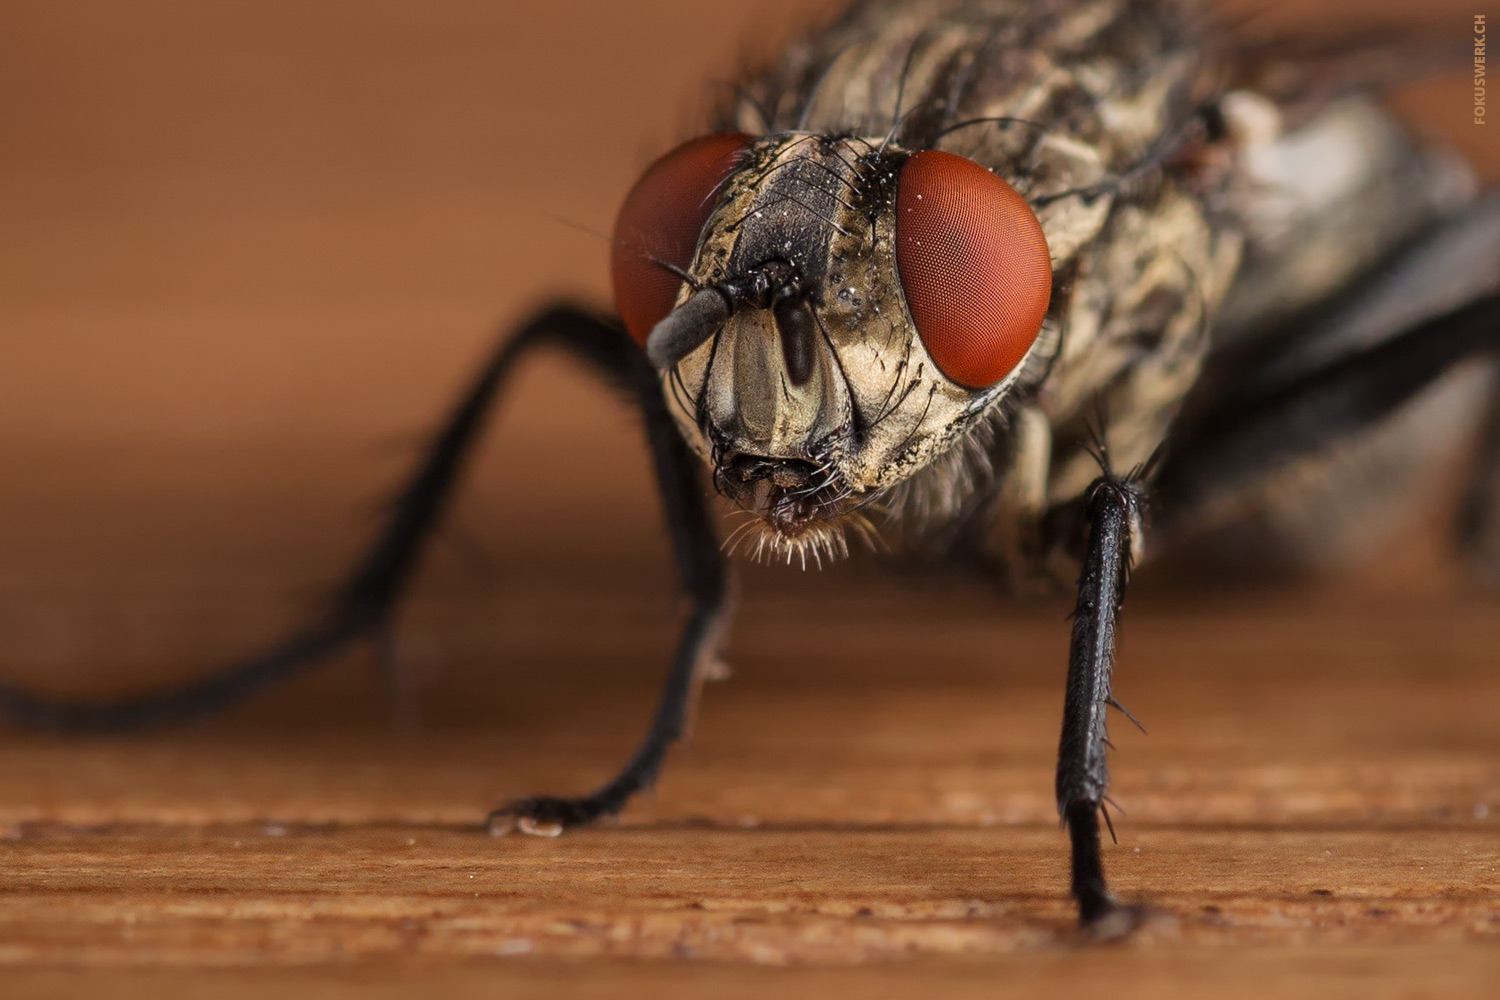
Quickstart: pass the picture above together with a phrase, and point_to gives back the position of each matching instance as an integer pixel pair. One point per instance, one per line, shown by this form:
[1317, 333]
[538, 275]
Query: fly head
[829, 314]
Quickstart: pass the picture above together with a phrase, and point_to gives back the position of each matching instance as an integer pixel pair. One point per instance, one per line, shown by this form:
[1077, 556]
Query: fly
[1044, 287]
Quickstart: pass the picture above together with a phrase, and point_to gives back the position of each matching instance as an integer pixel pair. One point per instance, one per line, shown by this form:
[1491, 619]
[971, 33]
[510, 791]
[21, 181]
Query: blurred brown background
[249, 251]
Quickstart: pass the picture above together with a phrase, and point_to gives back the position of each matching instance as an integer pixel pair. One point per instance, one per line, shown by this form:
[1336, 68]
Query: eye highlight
[661, 221]
[974, 266]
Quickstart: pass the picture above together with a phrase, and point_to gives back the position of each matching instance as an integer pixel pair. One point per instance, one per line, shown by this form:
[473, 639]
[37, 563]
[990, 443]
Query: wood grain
[248, 251]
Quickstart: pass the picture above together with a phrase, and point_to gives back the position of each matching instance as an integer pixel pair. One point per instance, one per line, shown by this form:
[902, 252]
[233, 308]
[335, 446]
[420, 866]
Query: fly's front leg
[362, 607]
[701, 567]
[1113, 507]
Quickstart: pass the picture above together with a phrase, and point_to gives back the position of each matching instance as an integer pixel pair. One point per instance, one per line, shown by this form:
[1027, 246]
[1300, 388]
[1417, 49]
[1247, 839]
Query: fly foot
[1111, 921]
[545, 815]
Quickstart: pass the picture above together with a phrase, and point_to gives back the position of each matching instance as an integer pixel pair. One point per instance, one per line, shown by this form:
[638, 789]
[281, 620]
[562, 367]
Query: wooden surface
[1313, 805]
[250, 249]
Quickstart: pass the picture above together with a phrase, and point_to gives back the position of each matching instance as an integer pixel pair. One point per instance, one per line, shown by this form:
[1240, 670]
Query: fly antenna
[687, 326]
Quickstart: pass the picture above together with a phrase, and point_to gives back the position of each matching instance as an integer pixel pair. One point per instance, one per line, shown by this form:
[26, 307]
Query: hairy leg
[701, 566]
[361, 608]
[1224, 449]
[1113, 508]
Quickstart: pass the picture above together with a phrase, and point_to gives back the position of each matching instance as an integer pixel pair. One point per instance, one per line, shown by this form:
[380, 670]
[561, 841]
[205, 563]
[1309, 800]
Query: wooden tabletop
[249, 252]
[1314, 803]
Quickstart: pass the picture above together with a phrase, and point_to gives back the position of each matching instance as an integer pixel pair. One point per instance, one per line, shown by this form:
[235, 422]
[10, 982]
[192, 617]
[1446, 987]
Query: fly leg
[1231, 446]
[1113, 508]
[701, 567]
[362, 606]
[1221, 450]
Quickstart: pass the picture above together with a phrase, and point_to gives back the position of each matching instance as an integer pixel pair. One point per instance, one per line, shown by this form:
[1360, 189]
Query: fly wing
[1447, 265]
[1343, 492]
[1323, 202]
[1356, 232]
[1327, 181]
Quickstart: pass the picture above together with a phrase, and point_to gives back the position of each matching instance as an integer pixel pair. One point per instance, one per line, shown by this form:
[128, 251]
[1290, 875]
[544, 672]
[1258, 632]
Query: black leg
[1114, 508]
[701, 565]
[362, 606]
[1223, 447]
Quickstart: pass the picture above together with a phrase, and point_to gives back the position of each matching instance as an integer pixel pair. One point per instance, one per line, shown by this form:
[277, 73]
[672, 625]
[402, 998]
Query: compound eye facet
[660, 223]
[974, 266]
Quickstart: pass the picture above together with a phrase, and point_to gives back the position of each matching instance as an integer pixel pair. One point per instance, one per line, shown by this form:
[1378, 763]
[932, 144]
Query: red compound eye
[661, 220]
[974, 266]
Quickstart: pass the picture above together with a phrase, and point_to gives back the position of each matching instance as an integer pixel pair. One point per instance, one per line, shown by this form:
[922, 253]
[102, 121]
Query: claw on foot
[1113, 922]
[545, 816]
[715, 670]
[539, 827]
